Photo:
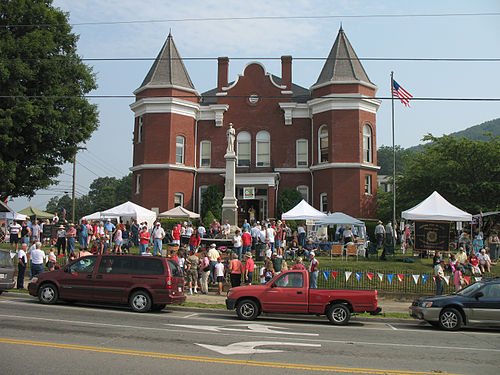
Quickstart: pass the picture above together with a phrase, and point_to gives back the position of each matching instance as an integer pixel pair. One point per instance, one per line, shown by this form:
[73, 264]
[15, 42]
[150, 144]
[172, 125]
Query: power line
[91, 171]
[265, 18]
[97, 162]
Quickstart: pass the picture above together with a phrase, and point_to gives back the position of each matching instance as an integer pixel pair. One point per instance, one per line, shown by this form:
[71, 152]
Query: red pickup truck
[289, 292]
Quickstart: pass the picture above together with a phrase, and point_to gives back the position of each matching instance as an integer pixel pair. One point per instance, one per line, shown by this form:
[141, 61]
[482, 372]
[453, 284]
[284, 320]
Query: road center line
[391, 326]
[190, 315]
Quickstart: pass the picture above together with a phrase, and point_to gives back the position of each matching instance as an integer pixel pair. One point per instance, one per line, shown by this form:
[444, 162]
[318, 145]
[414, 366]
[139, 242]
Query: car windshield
[470, 290]
[5, 260]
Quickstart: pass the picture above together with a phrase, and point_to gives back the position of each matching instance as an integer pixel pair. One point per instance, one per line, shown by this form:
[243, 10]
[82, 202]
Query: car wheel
[450, 319]
[434, 324]
[48, 294]
[140, 301]
[247, 309]
[338, 314]
[159, 307]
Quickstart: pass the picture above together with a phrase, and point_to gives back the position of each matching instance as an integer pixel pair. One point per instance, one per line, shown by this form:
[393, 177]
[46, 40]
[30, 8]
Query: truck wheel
[48, 294]
[247, 309]
[140, 301]
[338, 314]
[450, 319]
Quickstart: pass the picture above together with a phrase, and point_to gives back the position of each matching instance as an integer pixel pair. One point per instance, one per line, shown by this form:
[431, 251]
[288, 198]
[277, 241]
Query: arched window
[179, 149]
[178, 199]
[367, 144]
[140, 123]
[301, 152]
[323, 144]
[205, 153]
[323, 202]
[263, 140]
[243, 148]
[304, 191]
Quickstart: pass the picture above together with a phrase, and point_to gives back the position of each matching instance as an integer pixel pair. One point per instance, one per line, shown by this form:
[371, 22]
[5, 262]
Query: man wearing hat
[249, 268]
[379, 234]
[313, 270]
[109, 227]
[70, 236]
[212, 255]
[61, 240]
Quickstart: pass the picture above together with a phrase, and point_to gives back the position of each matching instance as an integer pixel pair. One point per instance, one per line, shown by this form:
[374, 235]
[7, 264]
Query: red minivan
[143, 282]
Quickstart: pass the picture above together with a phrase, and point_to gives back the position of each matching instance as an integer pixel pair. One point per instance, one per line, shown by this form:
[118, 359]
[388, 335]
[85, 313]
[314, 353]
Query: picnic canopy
[179, 212]
[340, 218]
[131, 210]
[303, 211]
[7, 213]
[33, 211]
[97, 216]
[436, 208]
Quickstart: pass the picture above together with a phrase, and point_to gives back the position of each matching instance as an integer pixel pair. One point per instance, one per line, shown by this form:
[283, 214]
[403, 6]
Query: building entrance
[248, 209]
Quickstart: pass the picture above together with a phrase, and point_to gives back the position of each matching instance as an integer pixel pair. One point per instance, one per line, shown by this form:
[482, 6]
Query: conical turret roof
[342, 64]
[168, 70]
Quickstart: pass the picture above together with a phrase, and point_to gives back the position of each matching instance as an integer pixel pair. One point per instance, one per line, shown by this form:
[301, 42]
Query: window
[323, 144]
[175, 270]
[126, 265]
[178, 199]
[263, 140]
[84, 265]
[323, 202]
[201, 190]
[140, 122]
[367, 144]
[491, 291]
[290, 280]
[304, 191]
[138, 184]
[205, 153]
[301, 152]
[368, 184]
[179, 149]
[243, 149]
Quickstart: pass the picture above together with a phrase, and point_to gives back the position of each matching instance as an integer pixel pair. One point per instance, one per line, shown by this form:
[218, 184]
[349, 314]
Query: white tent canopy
[7, 213]
[303, 211]
[435, 207]
[131, 210]
[340, 218]
[97, 216]
[179, 212]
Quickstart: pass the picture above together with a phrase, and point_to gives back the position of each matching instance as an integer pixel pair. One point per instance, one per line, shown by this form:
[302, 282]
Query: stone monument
[230, 203]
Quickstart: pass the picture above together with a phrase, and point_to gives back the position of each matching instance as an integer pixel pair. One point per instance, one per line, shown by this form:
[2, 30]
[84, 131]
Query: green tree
[211, 200]
[465, 172]
[44, 115]
[288, 199]
[384, 205]
[385, 159]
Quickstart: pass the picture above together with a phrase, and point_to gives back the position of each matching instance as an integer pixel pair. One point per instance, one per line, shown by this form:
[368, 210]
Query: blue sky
[109, 151]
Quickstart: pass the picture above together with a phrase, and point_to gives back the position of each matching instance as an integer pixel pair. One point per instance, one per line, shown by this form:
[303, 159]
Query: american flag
[401, 93]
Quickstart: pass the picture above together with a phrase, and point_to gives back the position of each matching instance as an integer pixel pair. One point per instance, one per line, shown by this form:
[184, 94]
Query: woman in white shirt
[237, 244]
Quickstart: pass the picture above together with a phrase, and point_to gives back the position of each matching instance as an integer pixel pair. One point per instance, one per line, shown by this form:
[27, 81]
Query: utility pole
[74, 183]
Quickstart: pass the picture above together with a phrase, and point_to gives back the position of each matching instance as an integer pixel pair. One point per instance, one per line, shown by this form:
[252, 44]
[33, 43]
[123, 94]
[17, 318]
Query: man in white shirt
[158, 234]
[37, 259]
[21, 266]
[270, 233]
[212, 256]
[14, 230]
[255, 233]
[35, 231]
[202, 231]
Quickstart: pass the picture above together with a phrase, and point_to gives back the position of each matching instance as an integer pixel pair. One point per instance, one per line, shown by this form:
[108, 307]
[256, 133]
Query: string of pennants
[389, 277]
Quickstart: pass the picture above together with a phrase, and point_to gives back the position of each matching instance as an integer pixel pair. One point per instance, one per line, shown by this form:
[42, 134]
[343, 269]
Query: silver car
[6, 271]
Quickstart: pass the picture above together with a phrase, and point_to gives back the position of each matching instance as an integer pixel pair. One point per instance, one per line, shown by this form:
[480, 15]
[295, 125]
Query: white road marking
[249, 347]
[391, 326]
[250, 328]
[190, 315]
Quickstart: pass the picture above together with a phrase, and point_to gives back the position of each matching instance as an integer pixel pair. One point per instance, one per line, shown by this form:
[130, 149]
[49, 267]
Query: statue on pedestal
[231, 135]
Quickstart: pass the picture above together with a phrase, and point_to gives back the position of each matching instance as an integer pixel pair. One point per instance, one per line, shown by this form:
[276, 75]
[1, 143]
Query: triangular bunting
[447, 280]
[326, 274]
[380, 276]
[347, 275]
[424, 278]
[415, 278]
[400, 277]
[434, 278]
[389, 277]
[478, 278]
[358, 275]
[334, 274]
[467, 279]
[369, 275]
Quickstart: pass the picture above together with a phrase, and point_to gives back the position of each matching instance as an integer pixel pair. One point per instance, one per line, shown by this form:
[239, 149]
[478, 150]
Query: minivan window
[5, 260]
[84, 265]
[131, 265]
[175, 270]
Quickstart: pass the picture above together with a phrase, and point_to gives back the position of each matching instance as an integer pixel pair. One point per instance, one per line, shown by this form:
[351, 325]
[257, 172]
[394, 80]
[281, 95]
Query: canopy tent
[7, 213]
[303, 211]
[33, 211]
[131, 210]
[4, 207]
[97, 216]
[436, 208]
[340, 218]
[179, 213]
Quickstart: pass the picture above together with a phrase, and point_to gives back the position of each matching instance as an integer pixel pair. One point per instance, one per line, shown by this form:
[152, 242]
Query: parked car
[6, 271]
[289, 292]
[144, 283]
[478, 303]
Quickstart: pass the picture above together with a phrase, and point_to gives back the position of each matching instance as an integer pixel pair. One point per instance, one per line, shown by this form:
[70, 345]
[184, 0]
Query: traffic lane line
[198, 333]
[227, 361]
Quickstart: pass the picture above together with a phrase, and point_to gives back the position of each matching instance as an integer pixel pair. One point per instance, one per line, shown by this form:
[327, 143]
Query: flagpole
[393, 167]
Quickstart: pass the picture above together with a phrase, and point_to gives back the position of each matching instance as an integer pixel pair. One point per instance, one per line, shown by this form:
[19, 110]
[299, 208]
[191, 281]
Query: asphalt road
[89, 339]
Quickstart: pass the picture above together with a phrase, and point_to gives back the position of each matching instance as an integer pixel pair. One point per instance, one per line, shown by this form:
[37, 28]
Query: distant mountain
[475, 133]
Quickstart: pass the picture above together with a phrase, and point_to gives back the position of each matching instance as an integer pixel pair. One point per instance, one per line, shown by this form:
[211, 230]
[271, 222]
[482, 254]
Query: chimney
[222, 72]
[286, 71]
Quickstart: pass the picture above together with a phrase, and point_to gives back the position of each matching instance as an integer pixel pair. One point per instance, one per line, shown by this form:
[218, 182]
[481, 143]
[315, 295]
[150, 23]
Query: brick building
[321, 140]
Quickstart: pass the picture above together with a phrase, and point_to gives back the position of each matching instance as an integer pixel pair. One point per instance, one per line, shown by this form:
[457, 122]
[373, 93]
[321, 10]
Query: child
[219, 272]
[457, 277]
[147, 252]
[51, 264]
